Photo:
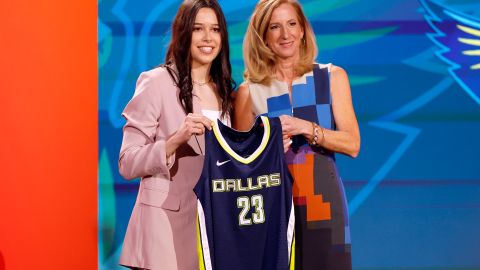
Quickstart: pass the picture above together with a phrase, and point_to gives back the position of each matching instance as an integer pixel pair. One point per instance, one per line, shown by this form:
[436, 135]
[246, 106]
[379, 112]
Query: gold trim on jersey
[229, 150]
[201, 263]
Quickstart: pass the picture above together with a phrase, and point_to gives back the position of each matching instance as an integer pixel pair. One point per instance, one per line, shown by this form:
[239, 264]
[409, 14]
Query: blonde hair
[260, 59]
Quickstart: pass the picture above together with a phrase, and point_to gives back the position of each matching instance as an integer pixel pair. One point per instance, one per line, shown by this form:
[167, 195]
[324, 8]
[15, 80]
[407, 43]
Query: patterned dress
[321, 231]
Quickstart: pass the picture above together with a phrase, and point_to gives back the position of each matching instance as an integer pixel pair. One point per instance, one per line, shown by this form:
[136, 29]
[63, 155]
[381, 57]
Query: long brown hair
[178, 58]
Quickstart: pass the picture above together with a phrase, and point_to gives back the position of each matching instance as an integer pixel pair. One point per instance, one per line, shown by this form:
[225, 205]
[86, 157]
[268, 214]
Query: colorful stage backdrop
[414, 67]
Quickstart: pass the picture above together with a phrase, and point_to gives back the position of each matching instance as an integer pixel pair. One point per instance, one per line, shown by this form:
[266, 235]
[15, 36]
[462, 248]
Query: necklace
[201, 83]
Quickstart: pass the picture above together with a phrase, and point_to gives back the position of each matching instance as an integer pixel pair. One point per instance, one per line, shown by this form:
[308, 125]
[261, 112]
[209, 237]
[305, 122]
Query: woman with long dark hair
[163, 142]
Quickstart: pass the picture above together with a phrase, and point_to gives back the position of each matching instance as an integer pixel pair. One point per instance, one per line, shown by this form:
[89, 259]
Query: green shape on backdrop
[106, 207]
[356, 80]
[315, 7]
[333, 41]
[104, 42]
[237, 29]
[236, 52]
[330, 41]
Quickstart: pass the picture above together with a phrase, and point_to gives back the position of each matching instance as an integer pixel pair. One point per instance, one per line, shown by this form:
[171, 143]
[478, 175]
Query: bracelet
[313, 142]
[323, 136]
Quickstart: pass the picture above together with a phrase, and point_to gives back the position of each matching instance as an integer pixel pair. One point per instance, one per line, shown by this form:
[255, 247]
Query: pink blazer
[161, 233]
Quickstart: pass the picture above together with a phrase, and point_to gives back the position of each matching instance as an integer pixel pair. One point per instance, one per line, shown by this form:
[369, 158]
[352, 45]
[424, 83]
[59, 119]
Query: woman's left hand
[287, 142]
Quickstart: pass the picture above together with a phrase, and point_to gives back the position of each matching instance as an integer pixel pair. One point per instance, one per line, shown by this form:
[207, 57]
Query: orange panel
[317, 209]
[48, 104]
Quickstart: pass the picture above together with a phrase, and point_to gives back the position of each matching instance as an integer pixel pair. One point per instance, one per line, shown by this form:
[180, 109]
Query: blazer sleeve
[142, 154]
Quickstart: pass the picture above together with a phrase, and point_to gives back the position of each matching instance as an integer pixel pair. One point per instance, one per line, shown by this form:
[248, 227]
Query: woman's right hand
[194, 124]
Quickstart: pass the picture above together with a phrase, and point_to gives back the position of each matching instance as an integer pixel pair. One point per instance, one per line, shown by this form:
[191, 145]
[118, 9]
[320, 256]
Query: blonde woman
[314, 104]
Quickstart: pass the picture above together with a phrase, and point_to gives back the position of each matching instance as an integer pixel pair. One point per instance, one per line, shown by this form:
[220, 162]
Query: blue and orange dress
[322, 230]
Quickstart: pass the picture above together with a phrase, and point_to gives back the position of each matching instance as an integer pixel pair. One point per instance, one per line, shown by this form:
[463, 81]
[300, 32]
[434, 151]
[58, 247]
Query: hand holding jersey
[194, 124]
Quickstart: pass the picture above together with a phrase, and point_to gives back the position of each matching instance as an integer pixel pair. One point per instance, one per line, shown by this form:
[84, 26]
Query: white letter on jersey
[243, 202]
[218, 185]
[259, 215]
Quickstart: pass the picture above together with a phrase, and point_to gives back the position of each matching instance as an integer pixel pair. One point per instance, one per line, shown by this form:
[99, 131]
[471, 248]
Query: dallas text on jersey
[235, 185]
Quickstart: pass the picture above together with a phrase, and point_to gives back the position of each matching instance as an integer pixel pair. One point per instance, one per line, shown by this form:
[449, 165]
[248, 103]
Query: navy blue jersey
[245, 213]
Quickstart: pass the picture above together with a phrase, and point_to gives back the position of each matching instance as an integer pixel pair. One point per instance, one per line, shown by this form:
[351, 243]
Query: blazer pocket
[159, 198]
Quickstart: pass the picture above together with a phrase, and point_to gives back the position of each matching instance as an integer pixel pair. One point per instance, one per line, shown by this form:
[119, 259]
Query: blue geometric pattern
[324, 112]
[279, 105]
[302, 94]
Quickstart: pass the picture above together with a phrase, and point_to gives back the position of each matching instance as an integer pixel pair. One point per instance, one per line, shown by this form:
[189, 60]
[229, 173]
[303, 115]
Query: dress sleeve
[143, 154]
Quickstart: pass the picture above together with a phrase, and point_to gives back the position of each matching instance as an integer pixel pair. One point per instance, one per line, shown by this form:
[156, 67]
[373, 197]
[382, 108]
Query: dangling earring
[303, 41]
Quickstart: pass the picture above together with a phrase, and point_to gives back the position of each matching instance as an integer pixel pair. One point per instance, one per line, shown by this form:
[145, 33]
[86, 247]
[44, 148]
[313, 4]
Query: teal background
[414, 191]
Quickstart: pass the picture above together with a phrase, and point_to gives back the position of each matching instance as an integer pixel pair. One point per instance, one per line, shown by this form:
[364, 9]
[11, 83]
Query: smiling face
[206, 38]
[284, 34]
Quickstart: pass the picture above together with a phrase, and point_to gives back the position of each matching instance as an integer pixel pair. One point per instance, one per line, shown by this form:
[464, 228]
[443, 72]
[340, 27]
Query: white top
[214, 115]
